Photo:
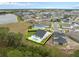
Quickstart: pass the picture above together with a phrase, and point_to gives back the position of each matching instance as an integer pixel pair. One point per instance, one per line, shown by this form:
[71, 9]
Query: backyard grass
[32, 30]
[28, 34]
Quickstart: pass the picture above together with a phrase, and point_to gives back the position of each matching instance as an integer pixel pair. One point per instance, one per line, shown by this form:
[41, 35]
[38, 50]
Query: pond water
[8, 18]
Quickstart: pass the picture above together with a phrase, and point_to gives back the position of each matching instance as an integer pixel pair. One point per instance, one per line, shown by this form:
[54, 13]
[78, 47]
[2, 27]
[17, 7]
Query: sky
[39, 5]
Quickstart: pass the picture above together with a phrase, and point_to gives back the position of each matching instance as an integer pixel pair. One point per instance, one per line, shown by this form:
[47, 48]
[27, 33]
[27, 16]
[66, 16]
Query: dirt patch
[50, 42]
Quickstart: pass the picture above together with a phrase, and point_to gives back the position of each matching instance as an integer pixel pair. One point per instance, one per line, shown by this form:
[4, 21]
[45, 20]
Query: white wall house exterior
[75, 26]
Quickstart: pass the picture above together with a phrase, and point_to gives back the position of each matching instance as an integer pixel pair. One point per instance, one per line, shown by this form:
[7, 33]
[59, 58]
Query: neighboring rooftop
[40, 26]
[75, 23]
[66, 25]
[65, 20]
[58, 34]
[60, 40]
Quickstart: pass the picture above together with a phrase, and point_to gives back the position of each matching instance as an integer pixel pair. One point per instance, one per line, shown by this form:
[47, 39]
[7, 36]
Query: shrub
[14, 53]
[76, 53]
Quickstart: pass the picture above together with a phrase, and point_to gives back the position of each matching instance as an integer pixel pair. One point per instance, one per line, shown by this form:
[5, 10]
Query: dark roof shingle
[40, 33]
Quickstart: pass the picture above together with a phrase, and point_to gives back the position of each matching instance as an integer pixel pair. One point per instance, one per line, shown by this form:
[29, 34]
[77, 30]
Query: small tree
[3, 35]
[28, 53]
[19, 18]
[14, 39]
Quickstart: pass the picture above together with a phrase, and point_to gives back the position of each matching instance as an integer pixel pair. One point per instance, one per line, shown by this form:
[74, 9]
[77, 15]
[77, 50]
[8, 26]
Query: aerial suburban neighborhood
[39, 32]
[50, 27]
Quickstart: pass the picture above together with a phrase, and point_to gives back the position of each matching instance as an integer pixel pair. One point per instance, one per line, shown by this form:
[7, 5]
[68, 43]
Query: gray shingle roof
[40, 33]
[58, 34]
[61, 40]
[65, 20]
[39, 25]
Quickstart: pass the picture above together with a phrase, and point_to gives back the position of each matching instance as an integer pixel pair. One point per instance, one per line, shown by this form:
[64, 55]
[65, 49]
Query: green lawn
[30, 30]
[28, 34]
[33, 29]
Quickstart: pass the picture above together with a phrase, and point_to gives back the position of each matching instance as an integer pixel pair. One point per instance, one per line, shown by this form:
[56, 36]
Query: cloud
[4, 3]
[75, 6]
[29, 4]
[16, 3]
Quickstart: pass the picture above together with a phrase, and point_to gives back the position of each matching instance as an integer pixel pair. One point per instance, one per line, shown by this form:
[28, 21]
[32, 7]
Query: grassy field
[17, 27]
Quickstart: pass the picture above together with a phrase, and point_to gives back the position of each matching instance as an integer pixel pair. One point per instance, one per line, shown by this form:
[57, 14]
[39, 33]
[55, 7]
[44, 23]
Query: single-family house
[60, 41]
[39, 36]
[59, 38]
[39, 26]
[75, 26]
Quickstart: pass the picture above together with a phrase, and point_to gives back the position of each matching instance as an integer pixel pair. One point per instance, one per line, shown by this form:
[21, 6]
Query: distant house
[66, 24]
[60, 41]
[39, 36]
[66, 27]
[56, 19]
[75, 26]
[65, 20]
[39, 26]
